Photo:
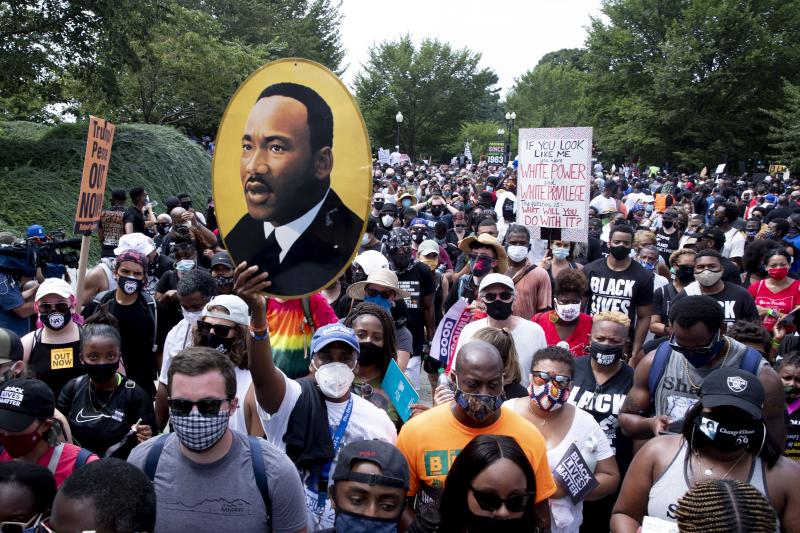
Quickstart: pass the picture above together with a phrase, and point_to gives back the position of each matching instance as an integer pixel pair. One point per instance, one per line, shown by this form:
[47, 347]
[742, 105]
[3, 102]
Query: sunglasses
[491, 502]
[540, 378]
[375, 292]
[219, 329]
[206, 406]
[61, 307]
[460, 226]
[19, 527]
[504, 296]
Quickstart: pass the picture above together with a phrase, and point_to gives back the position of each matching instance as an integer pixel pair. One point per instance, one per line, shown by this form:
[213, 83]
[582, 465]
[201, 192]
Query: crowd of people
[648, 374]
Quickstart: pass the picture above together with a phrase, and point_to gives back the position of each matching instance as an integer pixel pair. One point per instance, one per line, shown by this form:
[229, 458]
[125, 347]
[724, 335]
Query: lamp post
[510, 118]
[399, 119]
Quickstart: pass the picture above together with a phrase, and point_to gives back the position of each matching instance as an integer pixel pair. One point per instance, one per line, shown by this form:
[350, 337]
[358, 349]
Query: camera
[23, 257]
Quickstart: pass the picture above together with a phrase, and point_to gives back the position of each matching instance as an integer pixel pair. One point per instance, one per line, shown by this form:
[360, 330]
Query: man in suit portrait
[296, 227]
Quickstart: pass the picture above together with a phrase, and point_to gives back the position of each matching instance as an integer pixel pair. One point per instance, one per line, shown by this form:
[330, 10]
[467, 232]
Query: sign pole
[83, 262]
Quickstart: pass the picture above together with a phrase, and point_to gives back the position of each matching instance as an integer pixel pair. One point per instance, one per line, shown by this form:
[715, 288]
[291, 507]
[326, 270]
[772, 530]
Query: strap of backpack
[660, 360]
[153, 455]
[83, 456]
[306, 303]
[257, 458]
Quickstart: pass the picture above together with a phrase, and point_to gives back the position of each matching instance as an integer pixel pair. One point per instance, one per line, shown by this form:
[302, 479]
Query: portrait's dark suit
[314, 258]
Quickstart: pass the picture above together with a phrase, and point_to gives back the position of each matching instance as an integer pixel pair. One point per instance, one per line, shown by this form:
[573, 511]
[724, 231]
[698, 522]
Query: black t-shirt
[102, 421]
[662, 300]
[623, 291]
[736, 302]
[730, 272]
[418, 282]
[136, 217]
[667, 243]
[792, 450]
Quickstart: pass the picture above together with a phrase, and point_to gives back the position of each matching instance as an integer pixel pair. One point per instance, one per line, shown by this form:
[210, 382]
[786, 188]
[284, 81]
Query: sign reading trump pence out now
[95, 171]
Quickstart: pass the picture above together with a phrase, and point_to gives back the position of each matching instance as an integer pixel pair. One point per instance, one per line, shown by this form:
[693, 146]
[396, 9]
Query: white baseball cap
[54, 286]
[237, 309]
[135, 241]
[496, 279]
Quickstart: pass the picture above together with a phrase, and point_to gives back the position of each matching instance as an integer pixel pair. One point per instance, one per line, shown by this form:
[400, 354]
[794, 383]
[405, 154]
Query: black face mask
[400, 261]
[436, 210]
[498, 309]
[418, 237]
[377, 205]
[129, 285]
[101, 373]
[605, 354]
[619, 252]
[715, 221]
[667, 224]
[56, 321]
[369, 354]
[162, 229]
[728, 434]
[220, 344]
[684, 274]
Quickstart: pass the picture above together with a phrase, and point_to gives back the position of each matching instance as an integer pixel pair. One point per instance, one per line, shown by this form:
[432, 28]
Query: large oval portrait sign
[292, 176]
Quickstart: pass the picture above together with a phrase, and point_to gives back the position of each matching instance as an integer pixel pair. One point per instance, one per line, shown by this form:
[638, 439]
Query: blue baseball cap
[333, 333]
[35, 230]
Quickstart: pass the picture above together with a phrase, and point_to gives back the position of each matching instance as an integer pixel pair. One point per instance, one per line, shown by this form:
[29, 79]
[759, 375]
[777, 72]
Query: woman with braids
[725, 506]
[374, 328]
[788, 369]
[723, 438]
[490, 488]
[103, 407]
[566, 322]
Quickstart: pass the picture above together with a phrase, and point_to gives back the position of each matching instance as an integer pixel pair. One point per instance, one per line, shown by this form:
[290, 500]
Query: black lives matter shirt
[418, 282]
[735, 301]
[623, 291]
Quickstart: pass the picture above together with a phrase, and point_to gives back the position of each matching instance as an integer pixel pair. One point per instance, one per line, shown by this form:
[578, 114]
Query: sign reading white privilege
[554, 179]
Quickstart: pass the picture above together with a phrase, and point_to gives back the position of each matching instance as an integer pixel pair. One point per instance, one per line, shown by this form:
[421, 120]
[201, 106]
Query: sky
[511, 35]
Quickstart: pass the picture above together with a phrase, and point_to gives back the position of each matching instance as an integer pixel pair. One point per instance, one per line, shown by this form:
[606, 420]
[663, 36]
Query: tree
[436, 88]
[785, 132]
[478, 135]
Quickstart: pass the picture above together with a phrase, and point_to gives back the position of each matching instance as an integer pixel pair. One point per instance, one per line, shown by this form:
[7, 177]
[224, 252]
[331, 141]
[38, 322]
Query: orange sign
[95, 170]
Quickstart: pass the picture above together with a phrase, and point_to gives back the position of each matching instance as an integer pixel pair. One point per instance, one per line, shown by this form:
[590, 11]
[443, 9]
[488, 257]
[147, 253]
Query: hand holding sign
[574, 474]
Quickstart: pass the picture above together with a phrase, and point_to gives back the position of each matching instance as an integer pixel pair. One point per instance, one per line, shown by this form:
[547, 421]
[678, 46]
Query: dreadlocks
[389, 335]
[725, 505]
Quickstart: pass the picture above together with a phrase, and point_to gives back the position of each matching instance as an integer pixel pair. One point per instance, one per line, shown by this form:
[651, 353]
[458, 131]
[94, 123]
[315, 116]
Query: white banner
[445, 339]
[383, 156]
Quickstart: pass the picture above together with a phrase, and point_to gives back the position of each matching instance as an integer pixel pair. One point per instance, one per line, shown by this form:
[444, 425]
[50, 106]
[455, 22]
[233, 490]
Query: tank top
[55, 364]
[674, 483]
[675, 393]
[243, 382]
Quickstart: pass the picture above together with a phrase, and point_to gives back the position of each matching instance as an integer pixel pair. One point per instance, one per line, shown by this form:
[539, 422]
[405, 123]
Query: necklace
[543, 420]
[709, 471]
[92, 400]
[686, 365]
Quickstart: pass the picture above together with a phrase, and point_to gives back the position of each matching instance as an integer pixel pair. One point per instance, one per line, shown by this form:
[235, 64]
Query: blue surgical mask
[185, 265]
[379, 300]
[648, 266]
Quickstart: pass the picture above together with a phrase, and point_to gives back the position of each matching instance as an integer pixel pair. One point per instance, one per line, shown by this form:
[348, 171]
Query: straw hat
[381, 277]
[465, 245]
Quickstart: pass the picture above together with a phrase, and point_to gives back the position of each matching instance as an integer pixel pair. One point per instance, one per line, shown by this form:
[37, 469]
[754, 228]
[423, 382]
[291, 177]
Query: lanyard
[337, 437]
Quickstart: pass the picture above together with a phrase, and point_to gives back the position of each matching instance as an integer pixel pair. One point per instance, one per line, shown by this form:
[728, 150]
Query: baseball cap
[35, 230]
[428, 247]
[333, 333]
[371, 260]
[710, 232]
[391, 462]
[733, 387]
[54, 286]
[10, 346]
[237, 309]
[493, 279]
[23, 401]
[222, 258]
[138, 242]
[390, 209]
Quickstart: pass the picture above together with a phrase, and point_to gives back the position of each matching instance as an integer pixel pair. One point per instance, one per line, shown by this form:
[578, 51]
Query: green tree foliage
[478, 135]
[785, 131]
[436, 88]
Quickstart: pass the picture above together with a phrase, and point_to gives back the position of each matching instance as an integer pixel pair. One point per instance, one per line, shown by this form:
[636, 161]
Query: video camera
[22, 258]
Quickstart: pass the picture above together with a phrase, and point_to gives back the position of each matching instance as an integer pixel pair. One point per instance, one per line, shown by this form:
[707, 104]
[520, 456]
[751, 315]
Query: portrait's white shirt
[288, 234]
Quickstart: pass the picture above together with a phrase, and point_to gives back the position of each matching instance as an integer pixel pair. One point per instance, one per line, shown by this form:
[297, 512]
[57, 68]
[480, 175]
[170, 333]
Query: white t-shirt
[603, 204]
[528, 339]
[367, 422]
[243, 382]
[178, 338]
[734, 244]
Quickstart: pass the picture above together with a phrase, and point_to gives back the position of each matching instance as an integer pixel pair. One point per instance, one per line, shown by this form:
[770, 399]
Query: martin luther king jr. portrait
[296, 227]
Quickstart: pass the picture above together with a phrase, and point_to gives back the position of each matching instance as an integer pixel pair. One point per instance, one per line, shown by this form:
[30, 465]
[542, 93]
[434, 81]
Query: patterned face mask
[198, 432]
[478, 406]
[548, 396]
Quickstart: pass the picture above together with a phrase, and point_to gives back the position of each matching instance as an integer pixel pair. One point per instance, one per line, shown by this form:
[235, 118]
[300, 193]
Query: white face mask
[387, 220]
[568, 312]
[364, 239]
[334, 379]
[191, 316]
[517, 253]
[706, 278]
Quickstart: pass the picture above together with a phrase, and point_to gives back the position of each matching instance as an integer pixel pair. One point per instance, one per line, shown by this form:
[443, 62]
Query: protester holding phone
[778, 294]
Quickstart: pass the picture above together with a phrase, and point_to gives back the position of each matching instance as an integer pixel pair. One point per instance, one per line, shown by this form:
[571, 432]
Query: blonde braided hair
[725, 506]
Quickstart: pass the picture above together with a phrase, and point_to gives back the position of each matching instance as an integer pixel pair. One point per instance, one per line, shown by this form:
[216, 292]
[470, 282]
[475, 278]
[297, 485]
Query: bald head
[479, 356]
[176, 215]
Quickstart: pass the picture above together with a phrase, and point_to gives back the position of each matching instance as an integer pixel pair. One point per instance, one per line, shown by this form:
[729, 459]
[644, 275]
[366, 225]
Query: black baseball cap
[733, 387]
[389, 209]
[23, 401]
[387, 457]
[10, 346]
[710, 232]
[222, 258]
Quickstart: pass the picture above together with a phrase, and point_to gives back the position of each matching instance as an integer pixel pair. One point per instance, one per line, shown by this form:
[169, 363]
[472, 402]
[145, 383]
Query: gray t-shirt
[223, 496]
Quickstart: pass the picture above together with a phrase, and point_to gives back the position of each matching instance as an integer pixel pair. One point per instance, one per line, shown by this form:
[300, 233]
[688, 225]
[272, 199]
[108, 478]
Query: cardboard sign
[399, 390]
[95, 170]
[61, 358]
[553, 180]
[292, 176]
[575, 475]
[496, 153]
[774, 169]
[720, 169]
[383, 156]
[445, 339]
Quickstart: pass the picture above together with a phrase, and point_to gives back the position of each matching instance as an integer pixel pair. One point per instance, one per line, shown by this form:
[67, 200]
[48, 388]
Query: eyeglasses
[540, 378]
[491, 502]
[206, 406]
[61, 307]
[505, 296]
[219, 329]
[19, 527]
[375, 293]
[460, 226]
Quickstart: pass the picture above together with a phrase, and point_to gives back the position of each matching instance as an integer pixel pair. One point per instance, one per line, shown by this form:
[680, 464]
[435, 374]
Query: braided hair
[725, 505]
[387, 323]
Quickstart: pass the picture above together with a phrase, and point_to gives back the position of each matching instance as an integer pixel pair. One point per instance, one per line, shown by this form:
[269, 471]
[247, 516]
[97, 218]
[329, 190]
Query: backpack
[309, 317]
[256, 459]
[661, 202]
[104, 296]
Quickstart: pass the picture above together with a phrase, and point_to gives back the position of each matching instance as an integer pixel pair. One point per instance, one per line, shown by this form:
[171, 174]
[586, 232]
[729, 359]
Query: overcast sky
[511, 35]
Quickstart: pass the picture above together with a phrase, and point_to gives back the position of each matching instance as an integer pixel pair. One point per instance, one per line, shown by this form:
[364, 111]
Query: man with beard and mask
[195, 290]
[496, 296]
[533, 288]
[51, 351]
[369, 488]
[667, 381]
[206, 471]
[137, 316]
[296, 227]
[431, 440]
[599, 387]
[312, 418]
[618, 283]
[222, 271]
[711, 238]
[668, 235]
[417, 280]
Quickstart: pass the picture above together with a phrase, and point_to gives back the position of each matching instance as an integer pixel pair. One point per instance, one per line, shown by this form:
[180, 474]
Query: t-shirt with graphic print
[624, 291]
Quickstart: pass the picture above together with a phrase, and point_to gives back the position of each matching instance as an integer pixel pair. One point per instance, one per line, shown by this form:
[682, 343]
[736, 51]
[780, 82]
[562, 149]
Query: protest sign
[553, 180]
[286, 104]
[383, 156]
[774, 169]
[575, 475]
[399, 390]
[95, 170]
[443, 346]
[720, 169]
[496, 153]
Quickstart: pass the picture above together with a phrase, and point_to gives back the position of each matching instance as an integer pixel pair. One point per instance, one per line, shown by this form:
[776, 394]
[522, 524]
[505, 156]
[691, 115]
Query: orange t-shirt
[431, 441]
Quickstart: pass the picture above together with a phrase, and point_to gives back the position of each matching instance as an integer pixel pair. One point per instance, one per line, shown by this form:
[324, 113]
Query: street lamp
[510, 118]
[399, 119]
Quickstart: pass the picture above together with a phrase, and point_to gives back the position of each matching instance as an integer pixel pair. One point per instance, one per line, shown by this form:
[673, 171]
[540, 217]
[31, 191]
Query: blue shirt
[10, 299]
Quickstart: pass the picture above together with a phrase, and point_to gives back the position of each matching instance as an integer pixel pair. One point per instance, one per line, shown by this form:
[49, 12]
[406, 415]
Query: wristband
[258, 337]
[251, 327]
[775, 343]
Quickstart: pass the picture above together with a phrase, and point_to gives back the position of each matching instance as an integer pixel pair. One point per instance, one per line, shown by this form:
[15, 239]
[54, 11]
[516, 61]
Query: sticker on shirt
[411, 287]
[61, 358]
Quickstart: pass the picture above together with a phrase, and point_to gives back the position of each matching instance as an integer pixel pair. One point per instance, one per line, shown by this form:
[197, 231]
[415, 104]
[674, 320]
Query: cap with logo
[35, 230]
[24, 401]
[394, 468]
[237, 309]
[333, 333]
[733, 387]
[10, 346]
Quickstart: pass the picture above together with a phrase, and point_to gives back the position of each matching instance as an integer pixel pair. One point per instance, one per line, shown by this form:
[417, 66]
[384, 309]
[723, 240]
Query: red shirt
[783, 301]
[578, 341]
[66, 462]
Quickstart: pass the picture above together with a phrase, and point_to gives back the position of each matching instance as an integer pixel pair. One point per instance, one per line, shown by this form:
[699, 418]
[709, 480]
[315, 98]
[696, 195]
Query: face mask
[778, 273]
[387, 220]
[594, 232]
[791, 392]
[55, 320]
[517, 253]
[224, 281]
[481, 266]
[547, 396]
[605, 354]
[400, 261]
[369, 354]
[377, 205]
[751, 234]
[379, 300]
[491, 524]
[560, 253]
[162, 229]
[101, 373]
[220, 344]
[184, 265]
[191, 316]
[418, 237]
[707, 278]
[769, 234]
[436, 210]
[20, 445]
[364, 239]
[648, 210]
[647, 266]
[727, 435]
[684, 274]
[489, 188]
[667, 224]
[715, 221]
[699, 357]
[406, 203]
[498, 309]
[353, 523]
[619, 252]
[334, 379]
[431, 263]
[478, 406]
[130, 285]
[568, 312]
[198, 432]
